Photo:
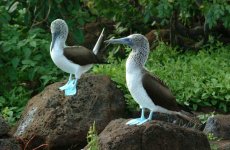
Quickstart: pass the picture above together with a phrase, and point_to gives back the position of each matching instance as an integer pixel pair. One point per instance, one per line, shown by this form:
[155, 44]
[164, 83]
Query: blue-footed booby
[147, 90]
[71, 59]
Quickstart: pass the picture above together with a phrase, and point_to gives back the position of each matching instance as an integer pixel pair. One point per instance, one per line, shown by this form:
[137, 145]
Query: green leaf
[227, 97]
[33, 43]
[214, 102]
[194, 106]
[27, 52]
[223, 106]
[79, 36]
[81, 21]
[205, 95]
[28, 62]
[13, 7]
[15, 61]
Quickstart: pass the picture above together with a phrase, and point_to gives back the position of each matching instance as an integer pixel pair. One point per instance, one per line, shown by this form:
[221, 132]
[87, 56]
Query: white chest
[135, 86]
[133, 79]
[63, 63]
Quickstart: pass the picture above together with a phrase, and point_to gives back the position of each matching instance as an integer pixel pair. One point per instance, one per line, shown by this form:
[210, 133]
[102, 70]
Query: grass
[92, 138]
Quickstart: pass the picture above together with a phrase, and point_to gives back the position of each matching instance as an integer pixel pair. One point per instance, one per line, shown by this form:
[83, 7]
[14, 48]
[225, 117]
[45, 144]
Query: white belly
[137, 90]
[135, 86]
[67, 66]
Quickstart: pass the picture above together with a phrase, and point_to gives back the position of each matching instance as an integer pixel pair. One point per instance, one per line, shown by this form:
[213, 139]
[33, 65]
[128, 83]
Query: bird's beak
[125, 41]
[54, 37]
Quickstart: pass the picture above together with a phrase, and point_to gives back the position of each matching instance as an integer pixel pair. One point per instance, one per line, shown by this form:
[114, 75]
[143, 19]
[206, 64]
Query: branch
[47, 15]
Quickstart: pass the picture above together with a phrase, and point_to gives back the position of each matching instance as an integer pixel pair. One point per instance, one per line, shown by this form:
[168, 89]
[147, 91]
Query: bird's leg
[72, 89]
[145, 120]
[66, 86]
[137, 120]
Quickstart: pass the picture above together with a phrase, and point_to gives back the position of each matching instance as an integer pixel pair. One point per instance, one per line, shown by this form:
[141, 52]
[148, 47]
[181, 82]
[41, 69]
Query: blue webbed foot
[67, 85]
[135, 121]
[72, 89]
[143, 121]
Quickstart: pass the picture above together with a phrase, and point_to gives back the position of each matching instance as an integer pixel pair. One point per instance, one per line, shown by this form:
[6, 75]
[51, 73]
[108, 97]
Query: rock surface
[4, 127]
[6, 141]
[220, 145]
[9, 144]
[157, 135]
[62, 122]
[219, 126]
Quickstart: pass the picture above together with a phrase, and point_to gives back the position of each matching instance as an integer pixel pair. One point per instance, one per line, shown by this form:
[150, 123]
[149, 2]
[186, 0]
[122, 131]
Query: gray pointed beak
[54, 37]
[125, 41]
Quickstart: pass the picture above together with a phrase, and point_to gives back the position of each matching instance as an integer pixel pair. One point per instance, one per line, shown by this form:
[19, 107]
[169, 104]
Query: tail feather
[99, 41]
[195, 122]
[185, 109]
[183, 116]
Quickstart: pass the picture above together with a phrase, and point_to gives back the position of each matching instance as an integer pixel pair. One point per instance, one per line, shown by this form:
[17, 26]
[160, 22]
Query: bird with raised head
[146, 89]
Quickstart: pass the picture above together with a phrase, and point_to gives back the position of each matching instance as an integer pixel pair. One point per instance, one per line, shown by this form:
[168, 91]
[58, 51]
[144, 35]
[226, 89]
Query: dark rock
[63, 121]
[157, 135]
[4, 127]
[6, 141]
[154, 35]
[219, 126]
[220, 145]
[9, 144]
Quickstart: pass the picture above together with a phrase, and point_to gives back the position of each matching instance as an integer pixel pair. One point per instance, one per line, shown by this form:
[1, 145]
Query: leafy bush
[24, 65]
[139, 14]
[196, 79]
[37, 13]
[118, 11]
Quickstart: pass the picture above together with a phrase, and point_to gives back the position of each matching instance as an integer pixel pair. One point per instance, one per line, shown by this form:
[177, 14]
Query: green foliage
[196, 79]
[11, 114]
[211, 137]
[139, 14]
[23, 61]
[72, 11]
[92, 138]
[120, 11]
[40, 13]
[204, 117]
[217, 11]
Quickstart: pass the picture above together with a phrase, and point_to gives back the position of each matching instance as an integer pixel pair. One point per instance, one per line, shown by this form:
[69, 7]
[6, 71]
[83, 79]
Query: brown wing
[80, 55]
[159, 92]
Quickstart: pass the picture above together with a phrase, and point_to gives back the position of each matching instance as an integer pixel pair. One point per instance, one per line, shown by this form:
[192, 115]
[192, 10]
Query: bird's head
[135, 41]
[59, 30]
